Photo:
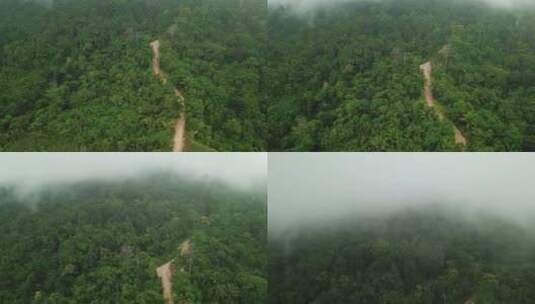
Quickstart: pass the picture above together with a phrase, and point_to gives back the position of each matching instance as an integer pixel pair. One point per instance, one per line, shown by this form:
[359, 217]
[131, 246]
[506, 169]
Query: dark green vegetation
[101, 242]
[223, 42]
[76, 75]
[418, 256]
[347, 77]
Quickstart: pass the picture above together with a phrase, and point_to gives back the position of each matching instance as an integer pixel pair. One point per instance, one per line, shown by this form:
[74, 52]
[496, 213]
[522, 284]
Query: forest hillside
[346, 76]
[77, 75]
[415, 255]
[99, 241]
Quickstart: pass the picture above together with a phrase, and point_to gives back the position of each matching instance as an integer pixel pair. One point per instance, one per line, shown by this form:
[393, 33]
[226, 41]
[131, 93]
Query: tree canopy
[414, 256]
[346, 77]
[76, 76]
[101, 242]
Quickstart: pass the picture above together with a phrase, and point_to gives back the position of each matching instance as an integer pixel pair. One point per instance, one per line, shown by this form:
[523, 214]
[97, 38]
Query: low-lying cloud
[30, 171]
[304, 5]
[321, 188]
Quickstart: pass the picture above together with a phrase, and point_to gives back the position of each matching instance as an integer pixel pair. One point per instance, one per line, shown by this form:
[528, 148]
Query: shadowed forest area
[416, 255]
[76, 75]
[101, 241]
[345, 76]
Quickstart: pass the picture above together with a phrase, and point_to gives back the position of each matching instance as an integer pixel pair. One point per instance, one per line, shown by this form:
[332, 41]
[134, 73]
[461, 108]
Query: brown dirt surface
[179, 138]
[155, 46]
[165, 273]
[185, 248]
[459, 137]
[427, 70]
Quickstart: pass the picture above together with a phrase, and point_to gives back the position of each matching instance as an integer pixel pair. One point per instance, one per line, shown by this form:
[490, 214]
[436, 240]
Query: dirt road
[185, 248]
[427, 71]
[459, 137]
[155, 46]
[179, 139]
[470, 301]
[165, 273]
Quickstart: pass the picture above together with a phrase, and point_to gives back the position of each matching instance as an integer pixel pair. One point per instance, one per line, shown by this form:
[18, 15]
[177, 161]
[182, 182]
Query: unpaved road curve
[165, 273]
[179, 139]
[185, 248]
[155, 46]
[427, 70]
[459, 137]
[470, 301]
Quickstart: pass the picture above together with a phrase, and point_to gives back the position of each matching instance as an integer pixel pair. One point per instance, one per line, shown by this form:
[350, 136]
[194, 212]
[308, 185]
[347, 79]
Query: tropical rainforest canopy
[101, 242]
[346, 77]
[414, 256]
[76, 75]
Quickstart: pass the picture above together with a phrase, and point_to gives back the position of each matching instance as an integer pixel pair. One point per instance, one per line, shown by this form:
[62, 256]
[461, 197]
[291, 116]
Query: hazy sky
[306, 188]
[306, 4]
[35, 169]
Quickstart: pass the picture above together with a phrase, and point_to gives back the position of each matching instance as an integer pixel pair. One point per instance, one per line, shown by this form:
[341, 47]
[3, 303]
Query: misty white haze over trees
[94, 228]
[311, 4]
[401, 228]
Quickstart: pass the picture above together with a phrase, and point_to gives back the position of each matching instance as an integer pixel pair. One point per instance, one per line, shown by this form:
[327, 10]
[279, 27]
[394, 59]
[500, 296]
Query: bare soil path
[427, 71]
[470, 301]
[155, 46]
[179, 139]
[165, 273]
[185, 248]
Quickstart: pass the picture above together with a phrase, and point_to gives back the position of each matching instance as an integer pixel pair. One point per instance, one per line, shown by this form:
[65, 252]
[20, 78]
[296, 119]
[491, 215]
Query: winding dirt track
[165, 273]
[179, 139]
[427, 70]
[470, 301]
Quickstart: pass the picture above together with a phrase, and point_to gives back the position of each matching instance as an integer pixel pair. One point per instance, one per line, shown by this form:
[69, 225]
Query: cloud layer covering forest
[316, 188]
[307, 4]
[29, 171]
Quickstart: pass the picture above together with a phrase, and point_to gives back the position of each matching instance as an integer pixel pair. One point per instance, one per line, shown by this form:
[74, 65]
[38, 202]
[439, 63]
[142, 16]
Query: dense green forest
[346, 77]
[75, 75]
[101, 242]
[427, 255]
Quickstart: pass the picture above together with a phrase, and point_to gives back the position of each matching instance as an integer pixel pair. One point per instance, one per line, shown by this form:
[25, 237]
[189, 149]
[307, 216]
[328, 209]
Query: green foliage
[97, 242]
[431, 255]
[213, 52]
[77, 76]
[346, 77]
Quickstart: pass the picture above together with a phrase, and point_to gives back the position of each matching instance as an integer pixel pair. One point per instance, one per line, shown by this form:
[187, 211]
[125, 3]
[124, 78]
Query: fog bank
[308, 189]
[31, 171]
[304, 5]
